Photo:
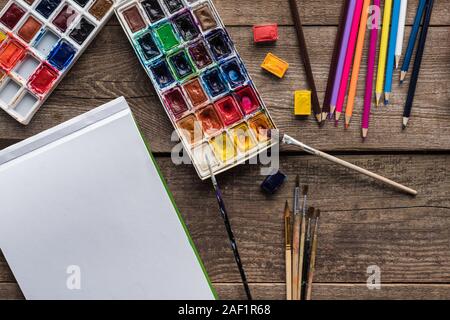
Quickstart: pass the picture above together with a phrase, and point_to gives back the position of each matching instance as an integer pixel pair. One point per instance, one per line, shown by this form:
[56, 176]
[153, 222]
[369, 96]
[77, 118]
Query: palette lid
[86, 215]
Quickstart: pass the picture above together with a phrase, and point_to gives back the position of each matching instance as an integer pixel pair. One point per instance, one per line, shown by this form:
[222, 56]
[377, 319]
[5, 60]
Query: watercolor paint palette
[200, 79]
[40, 40]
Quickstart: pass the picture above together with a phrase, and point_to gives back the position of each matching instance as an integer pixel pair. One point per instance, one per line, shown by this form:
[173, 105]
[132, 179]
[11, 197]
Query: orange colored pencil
[357, 63]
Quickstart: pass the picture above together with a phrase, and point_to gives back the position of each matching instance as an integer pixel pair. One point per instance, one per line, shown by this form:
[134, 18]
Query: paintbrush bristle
[317, 214]
[310, 213]
[287, 212]
[305, 190]
[297, 181]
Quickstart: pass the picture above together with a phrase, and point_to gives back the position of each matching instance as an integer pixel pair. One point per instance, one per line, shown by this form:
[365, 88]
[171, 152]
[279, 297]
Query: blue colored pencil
[412, 39]
[391, 51]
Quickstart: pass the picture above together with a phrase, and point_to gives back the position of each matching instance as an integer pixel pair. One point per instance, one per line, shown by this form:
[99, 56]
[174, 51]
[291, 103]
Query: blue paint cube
[62, 55]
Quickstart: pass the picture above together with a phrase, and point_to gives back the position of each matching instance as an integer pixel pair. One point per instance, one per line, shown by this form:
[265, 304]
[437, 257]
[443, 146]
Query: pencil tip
[405, 122]
[378, 99]
[347, 125]
[402, 76]
[397, 62]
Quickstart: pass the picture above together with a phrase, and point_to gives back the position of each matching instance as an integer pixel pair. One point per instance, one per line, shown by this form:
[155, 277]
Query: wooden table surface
[363, 222]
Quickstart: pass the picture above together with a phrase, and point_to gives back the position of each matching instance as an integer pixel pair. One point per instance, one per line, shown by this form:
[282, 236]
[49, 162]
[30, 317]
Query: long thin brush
[312, 264]
[224, 214]
[288, 247]
[296, 241]
[293, 142]
[302, 242]
[308, 248]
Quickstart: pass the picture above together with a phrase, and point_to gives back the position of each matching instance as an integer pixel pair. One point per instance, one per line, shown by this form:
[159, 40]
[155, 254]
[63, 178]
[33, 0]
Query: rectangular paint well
[10, 54]
[26, 104]
[27, 66]
[100, 8]
[65, 17]
[12, 15]
[82, 31]
[45, 42]
[200, 79]
[154, 10]
[29, 28]
[42, 80]
[47, 7]
[8, 91]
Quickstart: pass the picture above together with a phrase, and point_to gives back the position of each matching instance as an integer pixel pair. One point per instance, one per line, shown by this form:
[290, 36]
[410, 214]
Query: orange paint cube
[10, 54]
[275, 65]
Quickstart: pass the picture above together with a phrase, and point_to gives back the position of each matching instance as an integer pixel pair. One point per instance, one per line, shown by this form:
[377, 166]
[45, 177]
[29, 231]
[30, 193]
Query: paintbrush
[312, 264]
[306, 62]
[291, 141]
[302, 243]
[296, 241]
[288, 247]
[308, 245]
[224, 214]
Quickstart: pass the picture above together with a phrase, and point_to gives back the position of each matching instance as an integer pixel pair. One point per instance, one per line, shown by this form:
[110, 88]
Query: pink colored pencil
[370, 73]
[348, 59]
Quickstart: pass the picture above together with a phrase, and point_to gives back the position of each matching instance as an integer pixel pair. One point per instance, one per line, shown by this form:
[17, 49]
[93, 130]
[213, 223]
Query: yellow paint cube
[275, 65]
[2, 36]
[302, 103]
[223, 147]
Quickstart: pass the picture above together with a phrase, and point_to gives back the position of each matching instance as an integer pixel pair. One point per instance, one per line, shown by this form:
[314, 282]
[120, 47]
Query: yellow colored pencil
[357, 63]
[383, 49]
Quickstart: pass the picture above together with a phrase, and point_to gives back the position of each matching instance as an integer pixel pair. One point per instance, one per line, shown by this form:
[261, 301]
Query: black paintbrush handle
[234, 247]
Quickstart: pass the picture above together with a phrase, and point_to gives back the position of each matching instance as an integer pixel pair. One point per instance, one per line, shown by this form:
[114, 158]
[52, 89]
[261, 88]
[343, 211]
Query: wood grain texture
[406, 237]
[109, 68]
[321, 291]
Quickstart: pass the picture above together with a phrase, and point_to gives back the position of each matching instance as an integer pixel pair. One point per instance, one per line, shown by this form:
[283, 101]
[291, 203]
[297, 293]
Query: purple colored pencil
[342, 54]
[370, 73]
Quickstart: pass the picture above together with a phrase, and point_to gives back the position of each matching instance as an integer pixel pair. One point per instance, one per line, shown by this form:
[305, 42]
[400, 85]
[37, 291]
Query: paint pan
[40, 41]
[200, 79]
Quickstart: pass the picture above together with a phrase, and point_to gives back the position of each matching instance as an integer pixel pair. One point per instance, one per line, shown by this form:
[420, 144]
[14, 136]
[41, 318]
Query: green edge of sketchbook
[191, 242]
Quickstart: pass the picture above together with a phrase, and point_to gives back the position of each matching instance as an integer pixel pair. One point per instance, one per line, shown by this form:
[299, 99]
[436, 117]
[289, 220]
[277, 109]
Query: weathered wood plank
[321, 291]
[101, 75]
[331, 291]
[363, 223]
[313, 12]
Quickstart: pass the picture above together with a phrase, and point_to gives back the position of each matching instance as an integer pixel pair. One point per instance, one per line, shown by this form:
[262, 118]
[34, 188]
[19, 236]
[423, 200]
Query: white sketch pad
[87, 193]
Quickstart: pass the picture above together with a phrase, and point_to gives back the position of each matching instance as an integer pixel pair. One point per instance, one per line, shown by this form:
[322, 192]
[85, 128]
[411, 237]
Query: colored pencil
[288, 248]
[357, 63]
[412, 39]
[306, 62]
[417, 64]
[383, 50]
[348, 60]
[342, 54]
[312, 264]
[224, 215]
[326, 108]
[302, 244]
[288, 140]
[296, 241]
[400, 32]
[391, 51]
[370, 73]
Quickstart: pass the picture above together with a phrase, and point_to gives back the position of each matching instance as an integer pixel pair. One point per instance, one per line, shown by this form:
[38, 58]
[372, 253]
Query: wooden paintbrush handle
[288, 273]
[295, 257]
